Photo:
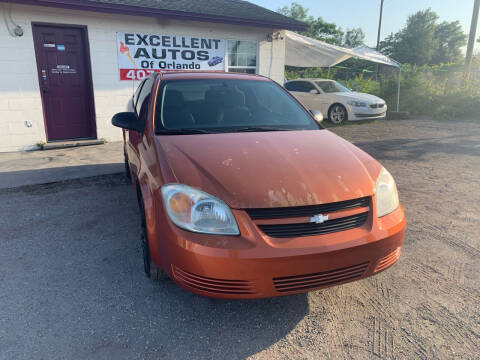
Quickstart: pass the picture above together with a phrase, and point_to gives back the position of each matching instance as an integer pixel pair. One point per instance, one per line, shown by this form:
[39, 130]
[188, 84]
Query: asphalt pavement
[72, 286]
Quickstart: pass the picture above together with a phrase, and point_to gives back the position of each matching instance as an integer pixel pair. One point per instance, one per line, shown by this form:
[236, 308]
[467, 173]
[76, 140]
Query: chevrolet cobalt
[243, 194]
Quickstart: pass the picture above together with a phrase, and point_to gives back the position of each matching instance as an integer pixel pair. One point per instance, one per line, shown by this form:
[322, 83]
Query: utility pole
[378, 35]
[380, 24]
[471, 37]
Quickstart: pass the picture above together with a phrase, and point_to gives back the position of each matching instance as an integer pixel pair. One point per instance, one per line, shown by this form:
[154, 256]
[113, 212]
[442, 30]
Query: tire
[151, 270]
[337, 114]
[127, 168]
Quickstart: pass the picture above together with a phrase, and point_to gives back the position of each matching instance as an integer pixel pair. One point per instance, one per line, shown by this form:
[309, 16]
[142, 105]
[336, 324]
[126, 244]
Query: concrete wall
[21, 116]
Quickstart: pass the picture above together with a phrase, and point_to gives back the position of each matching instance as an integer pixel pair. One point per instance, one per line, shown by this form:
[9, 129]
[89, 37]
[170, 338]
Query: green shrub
[439, 91]
[361, 84]
[458, 105]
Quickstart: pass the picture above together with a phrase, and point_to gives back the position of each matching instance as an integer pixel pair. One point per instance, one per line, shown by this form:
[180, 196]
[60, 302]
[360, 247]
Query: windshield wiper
[185, 131]
[188, 131]
[259, 128]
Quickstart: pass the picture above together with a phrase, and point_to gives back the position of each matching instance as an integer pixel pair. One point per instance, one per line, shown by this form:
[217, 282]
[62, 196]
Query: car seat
[175, 115]
[234, 111]
[209, 112]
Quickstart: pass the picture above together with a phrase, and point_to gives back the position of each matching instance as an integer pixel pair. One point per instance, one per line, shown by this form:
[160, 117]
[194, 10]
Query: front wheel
[152, 271]
[337, 114]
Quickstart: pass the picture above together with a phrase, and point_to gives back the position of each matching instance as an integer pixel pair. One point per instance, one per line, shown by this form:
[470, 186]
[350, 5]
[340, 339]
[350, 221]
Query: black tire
[127, 167]
[151, 270]
[337, 114]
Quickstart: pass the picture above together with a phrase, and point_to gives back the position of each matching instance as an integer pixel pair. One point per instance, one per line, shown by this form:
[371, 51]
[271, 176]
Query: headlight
[196, 211]
[357, 103]
[385, 193]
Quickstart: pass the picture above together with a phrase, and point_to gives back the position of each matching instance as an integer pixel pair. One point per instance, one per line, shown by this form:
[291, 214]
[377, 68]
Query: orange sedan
[243, 194]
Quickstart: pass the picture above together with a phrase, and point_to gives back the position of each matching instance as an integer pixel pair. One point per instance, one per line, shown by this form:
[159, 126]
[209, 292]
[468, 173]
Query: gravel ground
[71, 282]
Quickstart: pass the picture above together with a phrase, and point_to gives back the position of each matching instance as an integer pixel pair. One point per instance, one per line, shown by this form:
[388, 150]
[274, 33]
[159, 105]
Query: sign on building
[141, 54]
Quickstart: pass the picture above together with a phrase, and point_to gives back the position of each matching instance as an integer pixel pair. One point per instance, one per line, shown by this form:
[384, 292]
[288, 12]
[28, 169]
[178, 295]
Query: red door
[65, 81]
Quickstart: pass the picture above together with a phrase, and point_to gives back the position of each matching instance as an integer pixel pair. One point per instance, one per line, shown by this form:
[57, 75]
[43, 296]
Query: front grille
[217, 286]
[321, 279]
[298, 211]
[309, 229]
[388, 260]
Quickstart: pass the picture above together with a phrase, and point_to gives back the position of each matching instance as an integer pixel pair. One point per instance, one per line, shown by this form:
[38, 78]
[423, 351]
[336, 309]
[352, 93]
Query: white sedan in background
[335, 101]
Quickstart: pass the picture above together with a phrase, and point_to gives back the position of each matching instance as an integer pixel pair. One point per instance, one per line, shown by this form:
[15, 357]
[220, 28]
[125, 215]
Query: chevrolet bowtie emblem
[319, 219]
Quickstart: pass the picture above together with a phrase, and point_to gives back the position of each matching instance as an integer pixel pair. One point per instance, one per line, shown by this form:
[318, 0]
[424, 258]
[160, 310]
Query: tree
[424, 41]
[353, 38]
[390, 44]
[322, 30]
[296, 11]
[318, 28]
[450, 39]
[415, 43]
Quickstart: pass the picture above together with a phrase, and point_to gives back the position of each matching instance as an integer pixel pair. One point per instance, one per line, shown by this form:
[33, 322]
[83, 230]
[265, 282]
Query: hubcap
[337, 115]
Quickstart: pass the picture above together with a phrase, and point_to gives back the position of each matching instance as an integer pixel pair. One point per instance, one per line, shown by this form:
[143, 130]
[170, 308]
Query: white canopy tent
[302, 51]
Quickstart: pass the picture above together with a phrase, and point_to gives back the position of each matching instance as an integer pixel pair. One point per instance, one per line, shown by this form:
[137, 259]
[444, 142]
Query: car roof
[178, 75]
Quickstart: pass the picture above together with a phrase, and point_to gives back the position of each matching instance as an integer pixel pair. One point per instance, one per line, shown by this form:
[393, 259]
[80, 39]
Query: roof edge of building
[153, 12]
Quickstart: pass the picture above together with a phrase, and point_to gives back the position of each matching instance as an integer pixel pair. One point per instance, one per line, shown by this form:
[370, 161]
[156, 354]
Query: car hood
[360, 97]
[270, 169]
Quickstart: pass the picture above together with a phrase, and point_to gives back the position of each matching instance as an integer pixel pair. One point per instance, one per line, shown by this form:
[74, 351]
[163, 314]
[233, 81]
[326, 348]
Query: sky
[364, 13]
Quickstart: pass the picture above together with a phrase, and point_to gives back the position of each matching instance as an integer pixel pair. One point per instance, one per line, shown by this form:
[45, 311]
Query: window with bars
[242, 56]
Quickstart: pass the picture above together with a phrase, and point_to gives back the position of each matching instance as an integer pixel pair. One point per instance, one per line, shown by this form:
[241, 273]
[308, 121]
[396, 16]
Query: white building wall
[21, 114]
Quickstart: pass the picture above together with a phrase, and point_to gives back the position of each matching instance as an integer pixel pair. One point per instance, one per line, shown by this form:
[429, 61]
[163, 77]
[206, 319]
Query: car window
[343, 88]
[302, 86]
[305, 86]
[137, 92]
[291, 86]
[143, 99]
[331, 87]
[228, 105]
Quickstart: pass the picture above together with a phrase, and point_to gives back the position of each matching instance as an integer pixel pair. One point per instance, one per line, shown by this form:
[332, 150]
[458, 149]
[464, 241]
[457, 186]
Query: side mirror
[317, 115]
[128, 120]
[314, 91]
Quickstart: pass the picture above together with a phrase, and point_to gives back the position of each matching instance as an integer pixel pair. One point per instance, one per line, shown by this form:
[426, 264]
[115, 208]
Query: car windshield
[332, 87]
[200, 106]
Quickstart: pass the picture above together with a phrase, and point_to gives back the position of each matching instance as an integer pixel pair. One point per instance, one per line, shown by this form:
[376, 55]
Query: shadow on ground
[76, 289]
[10, 179]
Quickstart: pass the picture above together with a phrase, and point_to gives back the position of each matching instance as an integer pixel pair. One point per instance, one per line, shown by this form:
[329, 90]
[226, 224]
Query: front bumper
[366, 113]
[254, 265]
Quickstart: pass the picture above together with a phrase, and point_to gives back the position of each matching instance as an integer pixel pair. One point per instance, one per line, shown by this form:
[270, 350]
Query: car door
[324, 101]
[134, 138]
[301, 90]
